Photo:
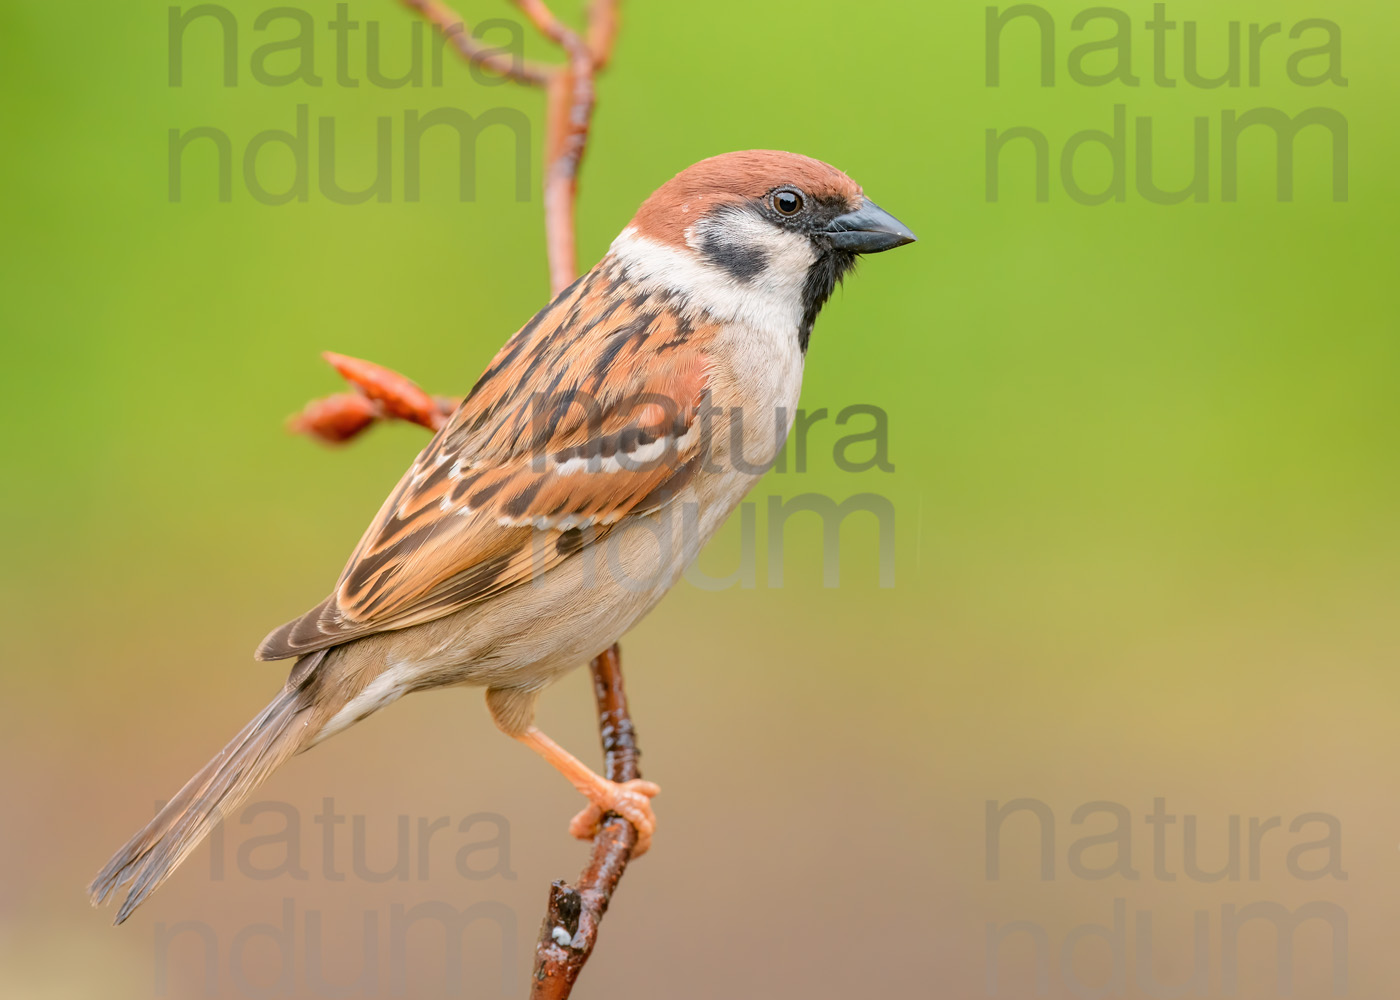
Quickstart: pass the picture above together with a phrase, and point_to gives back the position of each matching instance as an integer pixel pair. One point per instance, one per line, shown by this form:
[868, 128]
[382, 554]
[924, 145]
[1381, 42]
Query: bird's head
[757, 236]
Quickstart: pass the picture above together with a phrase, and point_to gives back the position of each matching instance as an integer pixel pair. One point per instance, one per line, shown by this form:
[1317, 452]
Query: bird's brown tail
[285, 726]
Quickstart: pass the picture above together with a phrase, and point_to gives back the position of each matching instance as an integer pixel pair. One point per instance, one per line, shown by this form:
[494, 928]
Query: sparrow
[605, 443]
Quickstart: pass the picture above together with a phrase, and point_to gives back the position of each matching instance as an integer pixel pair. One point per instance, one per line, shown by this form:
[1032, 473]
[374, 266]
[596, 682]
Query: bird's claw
[629, 799]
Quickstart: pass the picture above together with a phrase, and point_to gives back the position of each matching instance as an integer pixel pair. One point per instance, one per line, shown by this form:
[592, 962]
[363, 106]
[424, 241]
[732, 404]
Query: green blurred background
[1145, 478]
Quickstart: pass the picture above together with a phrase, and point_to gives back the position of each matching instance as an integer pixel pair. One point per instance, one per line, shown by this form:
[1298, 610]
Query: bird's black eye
[787, 202]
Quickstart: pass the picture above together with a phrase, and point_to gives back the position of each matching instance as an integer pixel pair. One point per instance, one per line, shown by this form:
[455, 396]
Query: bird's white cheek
[780, 259]
[769, 298]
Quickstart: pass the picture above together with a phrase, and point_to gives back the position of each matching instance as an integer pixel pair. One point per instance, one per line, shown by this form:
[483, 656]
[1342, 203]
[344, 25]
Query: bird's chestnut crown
[796, 192]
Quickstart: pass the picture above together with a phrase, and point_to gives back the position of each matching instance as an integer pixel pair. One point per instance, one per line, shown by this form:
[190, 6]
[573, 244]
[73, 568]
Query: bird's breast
[756, 383]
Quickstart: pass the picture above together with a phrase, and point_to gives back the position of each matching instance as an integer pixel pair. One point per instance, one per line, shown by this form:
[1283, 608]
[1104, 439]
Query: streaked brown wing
[590, 412]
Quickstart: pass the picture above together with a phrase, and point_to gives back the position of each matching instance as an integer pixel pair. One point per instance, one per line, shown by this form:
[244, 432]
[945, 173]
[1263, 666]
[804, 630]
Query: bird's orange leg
[629, 799]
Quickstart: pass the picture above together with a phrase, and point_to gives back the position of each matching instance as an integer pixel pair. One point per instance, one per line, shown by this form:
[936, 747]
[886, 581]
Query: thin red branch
[602, 32]
[569, 111]
[570, 927]
[568, 115]
[550, 26]
[450, 23]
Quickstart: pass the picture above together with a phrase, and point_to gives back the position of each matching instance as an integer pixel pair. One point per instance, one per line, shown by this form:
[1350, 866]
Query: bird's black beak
[869, 229]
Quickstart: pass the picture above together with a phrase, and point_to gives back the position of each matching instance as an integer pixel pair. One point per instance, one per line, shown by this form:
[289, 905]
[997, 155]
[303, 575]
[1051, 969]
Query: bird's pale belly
[535, 633]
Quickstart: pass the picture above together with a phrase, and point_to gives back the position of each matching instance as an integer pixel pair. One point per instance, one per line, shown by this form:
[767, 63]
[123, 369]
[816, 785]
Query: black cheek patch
[741, 261]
